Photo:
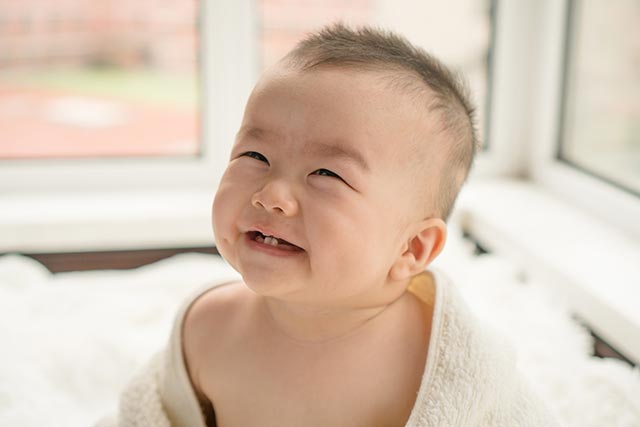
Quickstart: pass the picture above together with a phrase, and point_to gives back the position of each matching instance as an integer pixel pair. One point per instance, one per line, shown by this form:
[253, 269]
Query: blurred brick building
[284, 22]
[161, 34]
[156, 33]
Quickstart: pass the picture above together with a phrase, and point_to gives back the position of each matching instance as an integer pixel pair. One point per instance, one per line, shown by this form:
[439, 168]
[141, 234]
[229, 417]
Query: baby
[347, 163]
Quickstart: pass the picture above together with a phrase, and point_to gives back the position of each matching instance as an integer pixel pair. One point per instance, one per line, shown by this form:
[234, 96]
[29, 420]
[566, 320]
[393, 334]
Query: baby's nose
[275, 197]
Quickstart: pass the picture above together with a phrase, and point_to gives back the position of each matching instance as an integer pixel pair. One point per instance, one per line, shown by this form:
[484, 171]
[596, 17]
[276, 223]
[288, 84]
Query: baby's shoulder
[213, 312]
[211, 321]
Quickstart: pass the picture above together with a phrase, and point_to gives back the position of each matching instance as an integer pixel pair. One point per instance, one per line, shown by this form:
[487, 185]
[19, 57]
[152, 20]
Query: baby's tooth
[271, 241]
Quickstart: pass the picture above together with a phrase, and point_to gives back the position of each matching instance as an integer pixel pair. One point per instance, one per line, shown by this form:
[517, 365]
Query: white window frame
[526, 78]
[510, 93]
[614, 205]
[525, 117]
[562, 227]
[140, 201]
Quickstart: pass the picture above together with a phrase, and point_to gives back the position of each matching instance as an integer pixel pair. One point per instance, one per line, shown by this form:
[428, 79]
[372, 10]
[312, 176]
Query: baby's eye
[327, 172]
[256, 155]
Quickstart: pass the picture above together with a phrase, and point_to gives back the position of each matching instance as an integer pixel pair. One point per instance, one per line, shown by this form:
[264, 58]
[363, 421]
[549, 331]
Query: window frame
[223, 90]
[509, 93]
[59, 205]
[524, 121]
[562, 228]
[526, 118]
[601, 198]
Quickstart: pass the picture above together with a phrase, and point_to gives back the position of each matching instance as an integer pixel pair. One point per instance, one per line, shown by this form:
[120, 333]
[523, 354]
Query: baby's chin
[268, 285]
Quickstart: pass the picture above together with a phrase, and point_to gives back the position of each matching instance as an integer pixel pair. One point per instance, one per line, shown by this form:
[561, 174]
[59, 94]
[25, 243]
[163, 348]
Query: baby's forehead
[354, 103]
[378, 76]
[389, 87]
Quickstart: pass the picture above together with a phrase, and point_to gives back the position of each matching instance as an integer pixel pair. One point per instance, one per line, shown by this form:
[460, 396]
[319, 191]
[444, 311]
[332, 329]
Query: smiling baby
[348, 161]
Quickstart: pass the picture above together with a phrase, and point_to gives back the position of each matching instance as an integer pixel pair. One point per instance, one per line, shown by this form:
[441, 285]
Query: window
[563, 118]
[600, 133]
[106, 79]
[85, 191]
[150, 108]
[137, 198]
[583, 133]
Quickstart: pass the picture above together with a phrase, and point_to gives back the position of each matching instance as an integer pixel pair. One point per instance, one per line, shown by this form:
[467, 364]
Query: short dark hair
[370, 48]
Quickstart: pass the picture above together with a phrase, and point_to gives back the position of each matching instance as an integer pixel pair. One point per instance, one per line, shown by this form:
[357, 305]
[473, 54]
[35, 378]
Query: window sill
[590, 263]
[81, 222]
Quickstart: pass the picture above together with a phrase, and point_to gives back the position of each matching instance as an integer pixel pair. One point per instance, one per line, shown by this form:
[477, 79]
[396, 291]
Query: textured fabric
[469, 379]
[141, 403]
[161, 395]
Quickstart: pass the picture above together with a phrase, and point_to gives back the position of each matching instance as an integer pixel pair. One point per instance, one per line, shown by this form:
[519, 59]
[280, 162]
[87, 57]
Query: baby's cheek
[222, 212]
[223, 231]
[227, 253]
[216, 211]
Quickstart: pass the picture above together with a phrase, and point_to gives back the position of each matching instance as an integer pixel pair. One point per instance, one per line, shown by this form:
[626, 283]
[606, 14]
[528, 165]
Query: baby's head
[448, 132]
[352, 149]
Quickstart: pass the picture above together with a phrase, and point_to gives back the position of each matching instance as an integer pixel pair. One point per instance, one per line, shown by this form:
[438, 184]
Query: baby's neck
[304, 324]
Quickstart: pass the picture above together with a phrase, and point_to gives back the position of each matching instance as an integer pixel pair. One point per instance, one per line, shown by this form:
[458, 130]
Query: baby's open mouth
[273, 241]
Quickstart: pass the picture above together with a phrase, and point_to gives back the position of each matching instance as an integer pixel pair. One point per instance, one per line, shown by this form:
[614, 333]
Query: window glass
[98, 78]
[457, 32]
[601, 128]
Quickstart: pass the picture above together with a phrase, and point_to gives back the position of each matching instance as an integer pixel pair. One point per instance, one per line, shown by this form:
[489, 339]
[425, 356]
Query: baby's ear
[423, 247]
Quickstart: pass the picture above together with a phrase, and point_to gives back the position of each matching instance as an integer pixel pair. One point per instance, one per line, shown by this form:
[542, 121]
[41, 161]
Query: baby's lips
[258, 230]
[268, 230]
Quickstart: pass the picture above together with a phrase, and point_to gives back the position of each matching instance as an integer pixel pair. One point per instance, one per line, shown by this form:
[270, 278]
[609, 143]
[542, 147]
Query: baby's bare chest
[355, 385]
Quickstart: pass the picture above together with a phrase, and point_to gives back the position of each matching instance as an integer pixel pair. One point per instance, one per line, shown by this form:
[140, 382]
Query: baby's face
[320, 162]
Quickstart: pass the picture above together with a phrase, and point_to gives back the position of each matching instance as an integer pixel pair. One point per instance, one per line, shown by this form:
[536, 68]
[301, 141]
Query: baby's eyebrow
[251, 131]
[340, 151]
